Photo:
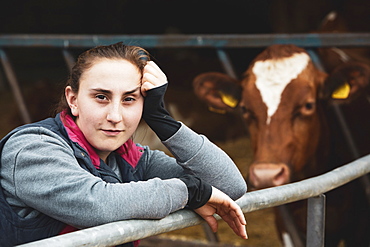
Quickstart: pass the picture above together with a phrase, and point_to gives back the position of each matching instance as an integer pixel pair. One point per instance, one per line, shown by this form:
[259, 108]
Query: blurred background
[42, 72]
[39, 69]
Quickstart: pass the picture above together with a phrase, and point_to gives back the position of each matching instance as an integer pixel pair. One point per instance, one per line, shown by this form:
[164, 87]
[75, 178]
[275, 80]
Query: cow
[286, 103]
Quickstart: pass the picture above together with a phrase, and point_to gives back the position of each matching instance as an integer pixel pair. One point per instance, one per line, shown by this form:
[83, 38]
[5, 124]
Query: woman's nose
[115, 114]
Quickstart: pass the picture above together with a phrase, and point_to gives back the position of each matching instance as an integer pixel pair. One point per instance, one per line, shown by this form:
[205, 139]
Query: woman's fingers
[227, 209]
[153, 77]
[235, 221]
[239, 220]
[212, 222]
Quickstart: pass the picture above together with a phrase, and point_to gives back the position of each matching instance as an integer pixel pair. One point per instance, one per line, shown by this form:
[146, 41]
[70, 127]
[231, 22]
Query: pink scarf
[128, 151]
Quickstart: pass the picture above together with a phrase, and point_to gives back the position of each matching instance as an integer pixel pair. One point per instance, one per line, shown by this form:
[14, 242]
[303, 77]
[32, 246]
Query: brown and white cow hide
[286, 105]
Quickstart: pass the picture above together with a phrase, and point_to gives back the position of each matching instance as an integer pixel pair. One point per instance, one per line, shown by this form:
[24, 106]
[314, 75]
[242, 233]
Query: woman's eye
[129, 99]
[101, 97]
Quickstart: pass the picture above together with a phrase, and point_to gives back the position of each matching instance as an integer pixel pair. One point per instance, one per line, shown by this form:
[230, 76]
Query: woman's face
[109, 105]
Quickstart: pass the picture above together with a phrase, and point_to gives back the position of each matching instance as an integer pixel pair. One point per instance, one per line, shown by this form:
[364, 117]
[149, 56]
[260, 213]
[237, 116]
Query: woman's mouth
[111, 132]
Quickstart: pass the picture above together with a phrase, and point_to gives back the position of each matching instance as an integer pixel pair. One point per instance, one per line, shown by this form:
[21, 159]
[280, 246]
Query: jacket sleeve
[39, 173]
[193, 152]
[197, 155]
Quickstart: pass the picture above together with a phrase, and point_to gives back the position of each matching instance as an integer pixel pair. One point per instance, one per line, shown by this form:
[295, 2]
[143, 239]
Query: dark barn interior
[36, 67]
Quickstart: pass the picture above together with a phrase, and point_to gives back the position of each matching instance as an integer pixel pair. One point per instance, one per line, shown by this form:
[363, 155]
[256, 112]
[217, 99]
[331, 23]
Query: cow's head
[280, 99]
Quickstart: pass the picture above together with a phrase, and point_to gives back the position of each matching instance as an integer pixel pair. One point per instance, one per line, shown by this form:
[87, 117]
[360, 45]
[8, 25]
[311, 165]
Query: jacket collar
[128, 151]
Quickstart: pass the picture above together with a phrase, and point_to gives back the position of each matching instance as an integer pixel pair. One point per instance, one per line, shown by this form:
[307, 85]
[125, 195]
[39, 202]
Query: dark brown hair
[134, 54]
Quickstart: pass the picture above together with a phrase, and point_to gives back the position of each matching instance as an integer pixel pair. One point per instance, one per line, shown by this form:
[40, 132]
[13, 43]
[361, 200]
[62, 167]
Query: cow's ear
[347, 82]
[221, 92]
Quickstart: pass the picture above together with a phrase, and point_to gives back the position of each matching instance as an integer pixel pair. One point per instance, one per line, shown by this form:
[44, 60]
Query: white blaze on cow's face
[273, 75]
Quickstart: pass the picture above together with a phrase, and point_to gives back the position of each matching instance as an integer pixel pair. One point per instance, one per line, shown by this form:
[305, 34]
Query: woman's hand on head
[227, 209]
[153, 77]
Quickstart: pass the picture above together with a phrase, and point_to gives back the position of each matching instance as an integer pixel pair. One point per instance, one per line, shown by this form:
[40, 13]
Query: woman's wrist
[156, 116]
[199, 191]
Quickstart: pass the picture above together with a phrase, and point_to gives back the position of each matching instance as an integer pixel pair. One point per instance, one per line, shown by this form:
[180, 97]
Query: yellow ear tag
[228, 99]
[215, 110]
[342, 92]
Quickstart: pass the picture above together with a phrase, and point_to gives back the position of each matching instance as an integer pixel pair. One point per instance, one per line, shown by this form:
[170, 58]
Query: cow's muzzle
[264, 175]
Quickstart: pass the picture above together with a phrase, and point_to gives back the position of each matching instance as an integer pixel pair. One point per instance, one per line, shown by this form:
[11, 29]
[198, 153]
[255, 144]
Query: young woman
[82, 169]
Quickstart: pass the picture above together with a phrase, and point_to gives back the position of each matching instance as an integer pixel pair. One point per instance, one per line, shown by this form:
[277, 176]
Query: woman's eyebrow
[100, 90]
[106, 91]
[132, 91]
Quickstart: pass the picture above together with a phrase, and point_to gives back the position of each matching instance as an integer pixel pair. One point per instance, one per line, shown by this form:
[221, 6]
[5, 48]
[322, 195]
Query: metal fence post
[69, 59]
[211, 236]
[226, 63]
[10, 74]
[290, 226]
[316, 221]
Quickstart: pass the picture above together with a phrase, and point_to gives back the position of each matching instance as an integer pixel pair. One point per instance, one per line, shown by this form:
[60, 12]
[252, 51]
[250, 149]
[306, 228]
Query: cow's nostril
[268, 175]
[281, 177]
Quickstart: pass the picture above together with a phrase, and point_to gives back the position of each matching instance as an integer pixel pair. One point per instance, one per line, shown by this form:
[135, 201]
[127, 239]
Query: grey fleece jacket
[40, 174]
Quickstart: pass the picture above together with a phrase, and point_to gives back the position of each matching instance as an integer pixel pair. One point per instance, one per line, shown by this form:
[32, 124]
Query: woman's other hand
[227, 209]
[153, 77]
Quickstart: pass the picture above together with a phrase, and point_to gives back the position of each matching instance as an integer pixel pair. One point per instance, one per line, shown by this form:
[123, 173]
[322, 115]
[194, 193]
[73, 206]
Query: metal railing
[126, 231]
[192, 41]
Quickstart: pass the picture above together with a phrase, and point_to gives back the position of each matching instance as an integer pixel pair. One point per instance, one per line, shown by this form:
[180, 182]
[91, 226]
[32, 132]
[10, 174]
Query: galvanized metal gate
[126, 231]
[115, 233]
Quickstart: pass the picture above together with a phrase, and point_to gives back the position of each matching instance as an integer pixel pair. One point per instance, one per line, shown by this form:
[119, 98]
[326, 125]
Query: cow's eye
[304, 110]
[308, 108]
[244, 109]
[247, 114]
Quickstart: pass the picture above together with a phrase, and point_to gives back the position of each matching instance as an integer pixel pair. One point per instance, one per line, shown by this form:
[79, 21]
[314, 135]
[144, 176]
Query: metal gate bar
[192, 41]
[126, 231]
[290, 226]
[68, 58]
[9, 72]
[226, 63]
[316, 221]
